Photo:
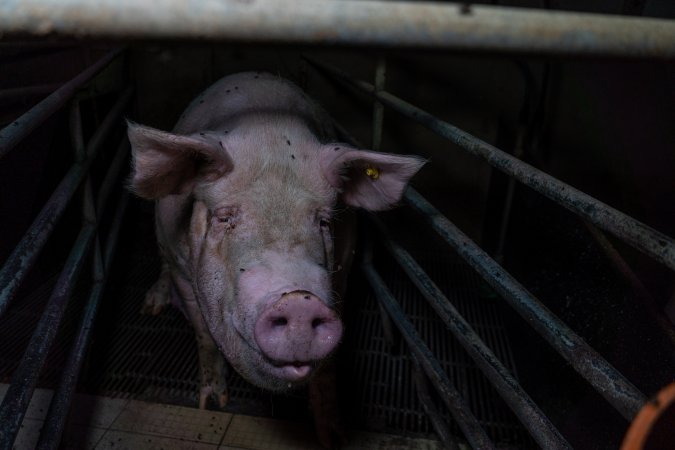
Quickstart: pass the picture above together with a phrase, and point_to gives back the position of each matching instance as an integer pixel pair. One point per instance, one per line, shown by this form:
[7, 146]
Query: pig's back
[234, 96]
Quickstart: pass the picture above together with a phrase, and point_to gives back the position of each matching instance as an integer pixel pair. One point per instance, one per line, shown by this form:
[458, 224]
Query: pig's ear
[166, 163]
[366, 179]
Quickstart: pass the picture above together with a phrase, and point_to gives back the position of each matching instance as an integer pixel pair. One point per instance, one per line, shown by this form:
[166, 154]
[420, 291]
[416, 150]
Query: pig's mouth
[287, 374]
[295, 372]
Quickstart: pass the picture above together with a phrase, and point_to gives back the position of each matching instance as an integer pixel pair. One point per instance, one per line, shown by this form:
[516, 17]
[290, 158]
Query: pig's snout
[297, 330]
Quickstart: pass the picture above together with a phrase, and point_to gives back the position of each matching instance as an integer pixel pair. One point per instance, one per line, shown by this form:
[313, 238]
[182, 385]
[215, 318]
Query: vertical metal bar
[63, 396]
[378, 109]
[618, 391]
[508, 201]
[529, 414]
[452, 399]
[376, 140]
[24, 380]
[640, 236]
[12, 134]
[26, 252]
[77, 136]
[112, 176]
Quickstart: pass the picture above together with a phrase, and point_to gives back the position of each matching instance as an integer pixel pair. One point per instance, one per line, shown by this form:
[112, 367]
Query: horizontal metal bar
[640, 236]
[57, 414]
[529, 414]
[330, 22]
[609, 382]
[453, 400]
[26, 252]
[12, 134]
[24, 379]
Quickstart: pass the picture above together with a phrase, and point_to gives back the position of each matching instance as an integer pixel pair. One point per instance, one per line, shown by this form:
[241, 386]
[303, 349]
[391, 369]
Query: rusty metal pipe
[331, 22]
[450, 396]
[12, 134]
[637, 234]
[26, 252]
[609, 382]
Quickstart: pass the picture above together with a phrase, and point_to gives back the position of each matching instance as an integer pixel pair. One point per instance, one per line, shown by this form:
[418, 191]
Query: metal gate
[371, 23]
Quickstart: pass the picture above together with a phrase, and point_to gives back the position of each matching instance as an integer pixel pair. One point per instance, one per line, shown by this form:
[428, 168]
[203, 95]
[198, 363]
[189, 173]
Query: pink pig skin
[246, 189]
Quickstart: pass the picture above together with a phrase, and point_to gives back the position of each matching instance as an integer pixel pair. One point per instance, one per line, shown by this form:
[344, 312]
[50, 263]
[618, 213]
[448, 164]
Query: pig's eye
[225, 218]
[324, 223]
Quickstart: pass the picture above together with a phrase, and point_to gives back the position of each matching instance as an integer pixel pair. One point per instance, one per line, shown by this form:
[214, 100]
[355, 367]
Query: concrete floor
[110, 423]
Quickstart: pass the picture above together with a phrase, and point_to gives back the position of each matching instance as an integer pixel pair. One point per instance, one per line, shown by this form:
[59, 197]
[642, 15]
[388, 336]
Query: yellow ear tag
[372, 173]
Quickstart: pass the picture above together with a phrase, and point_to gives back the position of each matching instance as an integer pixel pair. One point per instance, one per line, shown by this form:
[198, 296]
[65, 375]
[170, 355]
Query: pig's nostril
[293, 333]
[279, 322]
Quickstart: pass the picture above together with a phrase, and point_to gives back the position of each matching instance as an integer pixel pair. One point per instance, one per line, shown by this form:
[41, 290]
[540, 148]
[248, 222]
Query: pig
[248, 188]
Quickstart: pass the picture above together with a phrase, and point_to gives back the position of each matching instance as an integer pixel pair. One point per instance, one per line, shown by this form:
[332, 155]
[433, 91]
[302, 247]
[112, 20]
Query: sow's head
[254, 239]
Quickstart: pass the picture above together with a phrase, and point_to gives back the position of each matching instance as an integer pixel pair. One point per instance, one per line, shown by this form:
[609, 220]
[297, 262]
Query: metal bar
[50, 436]
[437, 422]
[329, 22]
[12, 134]
[642, 237]
[112, 176]
[376, 139]
[529, 414]
[24, 380]
[508, 200]
[26, 252]
[378, 109]
[452, 399]
[618, 391]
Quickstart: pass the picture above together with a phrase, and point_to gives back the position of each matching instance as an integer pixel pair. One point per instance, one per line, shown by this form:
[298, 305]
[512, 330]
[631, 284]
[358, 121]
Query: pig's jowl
[247, 187]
